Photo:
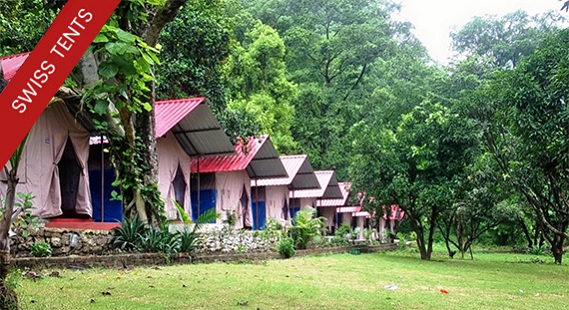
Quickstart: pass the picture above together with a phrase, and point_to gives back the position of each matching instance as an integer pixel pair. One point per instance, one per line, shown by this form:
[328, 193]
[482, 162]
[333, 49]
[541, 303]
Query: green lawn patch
[343, 281]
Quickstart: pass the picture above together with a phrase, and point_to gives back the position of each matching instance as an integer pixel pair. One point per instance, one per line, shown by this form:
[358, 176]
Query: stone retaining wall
[65, 242]
[153, 259]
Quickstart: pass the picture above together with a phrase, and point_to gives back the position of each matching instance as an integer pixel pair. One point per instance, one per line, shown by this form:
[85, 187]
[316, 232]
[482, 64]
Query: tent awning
[193, 124]
[329, 188]
[300, 174]
[258, 158]
[352, 209]
[345, 188]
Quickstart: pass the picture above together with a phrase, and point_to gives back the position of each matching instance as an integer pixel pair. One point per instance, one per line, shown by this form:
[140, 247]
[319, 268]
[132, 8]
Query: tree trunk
[557, 249]
[418, 229]
[8, 297]
[527, 234]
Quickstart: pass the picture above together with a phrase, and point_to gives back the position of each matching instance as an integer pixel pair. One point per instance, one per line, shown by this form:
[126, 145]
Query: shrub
[273, 229]
[160, 240]
[286, 247]
[344, 230]
[338, 241]
[128, 236]
[306, 227]
[134, 236]
[41, 249]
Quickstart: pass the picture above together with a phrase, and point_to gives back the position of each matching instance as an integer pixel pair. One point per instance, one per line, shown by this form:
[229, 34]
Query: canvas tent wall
[54, 165]
[329, 189]
[255, 160]
[184, 128]
[173, 175]
[300, 176]
[327, 207]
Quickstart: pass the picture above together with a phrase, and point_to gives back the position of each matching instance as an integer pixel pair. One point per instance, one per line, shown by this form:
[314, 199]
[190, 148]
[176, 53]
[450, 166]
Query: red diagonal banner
[36, 82]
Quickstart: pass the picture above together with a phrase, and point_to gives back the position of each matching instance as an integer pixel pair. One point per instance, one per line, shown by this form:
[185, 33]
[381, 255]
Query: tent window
[69, 173]
[179, 186]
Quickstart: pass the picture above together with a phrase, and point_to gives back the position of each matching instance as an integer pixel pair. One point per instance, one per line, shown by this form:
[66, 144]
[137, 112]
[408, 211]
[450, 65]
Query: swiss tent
[224, 182]
[275, 191]
[329, 189]
[327, 207]
[54, 167]
[184, 128]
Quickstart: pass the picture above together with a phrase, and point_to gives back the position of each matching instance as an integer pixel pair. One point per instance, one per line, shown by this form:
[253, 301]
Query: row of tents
[65, 167]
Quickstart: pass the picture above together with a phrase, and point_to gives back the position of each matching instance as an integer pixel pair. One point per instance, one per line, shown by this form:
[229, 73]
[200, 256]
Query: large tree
[259, 86]
[528, 133]
[115, 79]
[332, 47]
[503, 41]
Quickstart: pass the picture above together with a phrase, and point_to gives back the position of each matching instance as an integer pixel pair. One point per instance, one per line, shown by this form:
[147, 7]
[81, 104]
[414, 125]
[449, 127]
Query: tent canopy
[300, 174]
[329, 188]
[193, 124]
[258, 158]
[345, 188]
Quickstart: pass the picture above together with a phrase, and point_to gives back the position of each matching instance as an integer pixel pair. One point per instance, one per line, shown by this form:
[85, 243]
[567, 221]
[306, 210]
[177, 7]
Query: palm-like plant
[305, 227]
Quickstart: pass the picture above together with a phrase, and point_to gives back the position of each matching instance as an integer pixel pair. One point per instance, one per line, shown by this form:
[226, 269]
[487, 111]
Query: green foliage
[286, 247]
[126, 72]
[183, 215]
[259, 85]
[128, 236]
[22, 25]
[194, 47]
[305, 227]
[503, 41]
[338, 241]
[134, 236]
[40, 249]
[159, 240]
[14, 279]
[343, 230]
[230, 218]
[273, 229]
[24, 222]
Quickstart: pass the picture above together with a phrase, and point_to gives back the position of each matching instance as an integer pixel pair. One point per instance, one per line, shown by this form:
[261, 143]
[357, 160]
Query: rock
[56, 242]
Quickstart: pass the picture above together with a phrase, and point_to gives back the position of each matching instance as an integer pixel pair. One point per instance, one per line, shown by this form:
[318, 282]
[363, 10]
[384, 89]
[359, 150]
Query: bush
[41, 249]
[306, 227]
[128, 237]
[286, 247]
[133, 236]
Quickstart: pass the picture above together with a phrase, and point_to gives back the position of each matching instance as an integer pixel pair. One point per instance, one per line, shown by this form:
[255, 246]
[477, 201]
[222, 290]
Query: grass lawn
[342, 281]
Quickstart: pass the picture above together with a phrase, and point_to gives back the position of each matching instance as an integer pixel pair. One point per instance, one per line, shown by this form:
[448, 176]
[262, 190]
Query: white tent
[54, 165]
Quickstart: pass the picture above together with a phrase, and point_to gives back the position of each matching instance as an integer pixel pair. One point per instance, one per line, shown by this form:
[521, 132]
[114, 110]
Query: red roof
[193, 124]
[259, 158]
[11, 64]
[170, 112]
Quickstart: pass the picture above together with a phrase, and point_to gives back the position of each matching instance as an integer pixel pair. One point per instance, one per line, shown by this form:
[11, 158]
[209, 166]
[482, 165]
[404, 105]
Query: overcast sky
[435, 19]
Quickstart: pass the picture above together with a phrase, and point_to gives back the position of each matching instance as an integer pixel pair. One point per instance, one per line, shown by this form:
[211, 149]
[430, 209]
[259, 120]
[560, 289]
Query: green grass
[343, 281]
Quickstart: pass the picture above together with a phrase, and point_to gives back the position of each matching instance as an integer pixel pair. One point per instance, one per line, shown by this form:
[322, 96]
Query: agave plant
[128, 237]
